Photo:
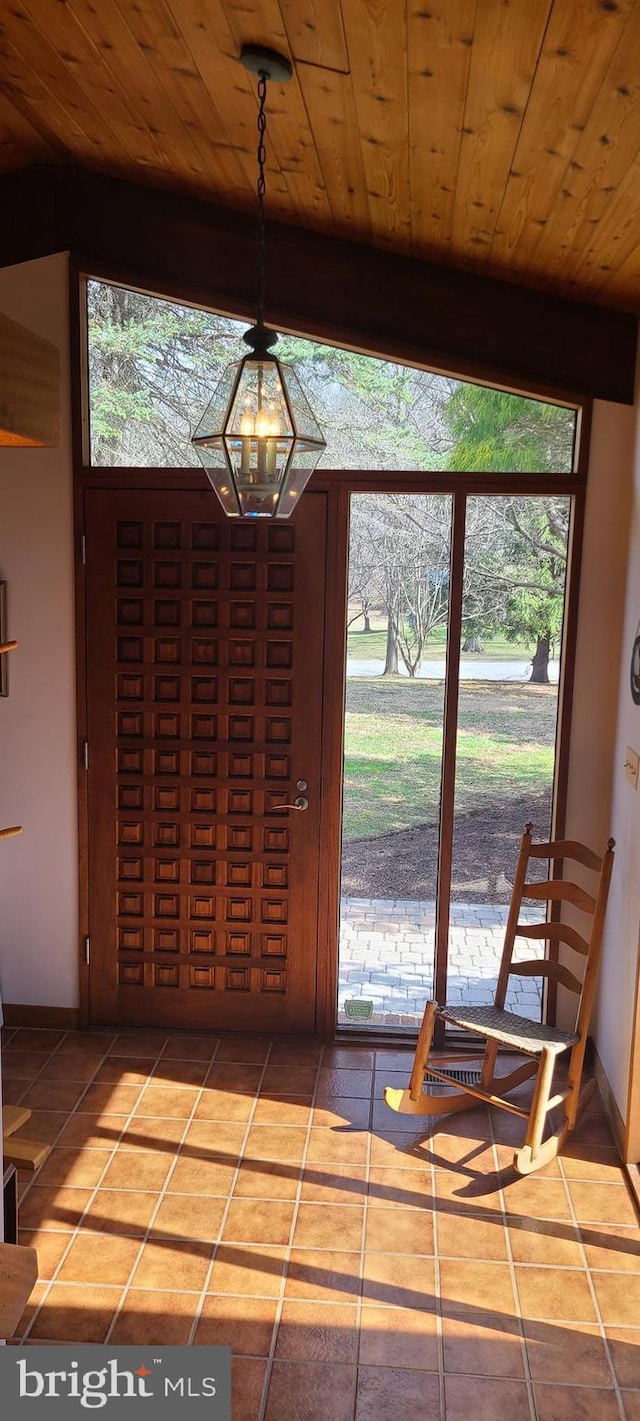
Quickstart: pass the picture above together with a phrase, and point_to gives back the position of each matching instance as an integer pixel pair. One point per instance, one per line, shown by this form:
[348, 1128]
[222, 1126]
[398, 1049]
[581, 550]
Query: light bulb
[246, 424]
[262, 424]
[274, 425]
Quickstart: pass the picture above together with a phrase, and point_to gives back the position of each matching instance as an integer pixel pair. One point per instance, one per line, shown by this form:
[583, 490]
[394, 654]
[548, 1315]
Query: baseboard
[633, 1176]
[610, 1104]
[55, 1018]
[617, 1126]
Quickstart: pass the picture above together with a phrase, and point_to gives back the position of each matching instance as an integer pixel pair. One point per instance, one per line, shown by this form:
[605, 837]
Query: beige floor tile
[132, 1169]
[545, 1241]
[485, 1399]
[602, 1203]
[53, 1207]
[147, 1318]
[270, 1142]
[329, 1226]
[618, 1297]
[189, 1216]
[120, 1211]
[77, 1167]
[613, 1246]
[258, 1221]
[566, 1403]
[49, 1246]
[555, 1294]
[337, 1146]
[398, 1337]
[385, 1393]
[242, 1323]
[247, 1383]
[99, 1259]
[76, 1314]
[403, 1231]
[256, 1271]
[309, 1332]
[465, 1235]
[485, 1344]
[566, 1352]
[267, 1179]
[399, 1280]
[324, 1274]
[334, 1184]
[468, 1286]
[624, 1345]
[411, 1189]
[310, 1391]
[173, 1264]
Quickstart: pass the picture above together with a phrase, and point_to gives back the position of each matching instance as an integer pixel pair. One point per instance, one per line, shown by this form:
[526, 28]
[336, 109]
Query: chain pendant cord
[262, 158]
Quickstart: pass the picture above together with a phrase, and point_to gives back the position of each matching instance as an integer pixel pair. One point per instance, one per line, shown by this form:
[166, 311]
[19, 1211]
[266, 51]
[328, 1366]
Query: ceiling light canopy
[258, 438]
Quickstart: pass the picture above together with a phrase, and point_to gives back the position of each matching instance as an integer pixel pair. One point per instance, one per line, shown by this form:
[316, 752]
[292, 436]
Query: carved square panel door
[204, 643]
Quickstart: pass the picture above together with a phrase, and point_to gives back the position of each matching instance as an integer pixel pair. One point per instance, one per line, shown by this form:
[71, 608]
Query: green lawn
[393, 746]
[371, 646]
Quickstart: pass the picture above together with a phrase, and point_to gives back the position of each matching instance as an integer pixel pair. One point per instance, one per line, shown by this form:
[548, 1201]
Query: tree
[411, 555]
[483, 599]
[491, 431]
[152, 367]
[516, 556]
[515, 567]
[363, 580]
[539, 529]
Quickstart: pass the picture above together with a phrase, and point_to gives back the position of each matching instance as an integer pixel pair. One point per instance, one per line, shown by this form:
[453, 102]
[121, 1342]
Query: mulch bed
[485, 848]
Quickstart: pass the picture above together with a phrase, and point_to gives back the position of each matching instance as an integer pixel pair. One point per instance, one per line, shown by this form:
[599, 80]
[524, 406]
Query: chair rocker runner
[505, 1028]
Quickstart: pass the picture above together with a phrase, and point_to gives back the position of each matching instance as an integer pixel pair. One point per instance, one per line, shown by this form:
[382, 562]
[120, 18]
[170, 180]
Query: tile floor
[261, 1193]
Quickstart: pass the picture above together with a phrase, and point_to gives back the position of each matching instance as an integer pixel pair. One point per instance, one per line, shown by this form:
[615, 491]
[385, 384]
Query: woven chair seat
[509, 1029]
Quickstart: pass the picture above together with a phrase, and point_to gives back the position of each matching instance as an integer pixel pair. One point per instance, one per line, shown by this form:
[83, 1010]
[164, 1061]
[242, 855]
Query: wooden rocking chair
[516, 1033]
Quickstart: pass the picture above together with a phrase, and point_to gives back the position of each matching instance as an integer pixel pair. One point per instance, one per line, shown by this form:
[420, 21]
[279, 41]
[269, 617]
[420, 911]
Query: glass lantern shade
[258, 438]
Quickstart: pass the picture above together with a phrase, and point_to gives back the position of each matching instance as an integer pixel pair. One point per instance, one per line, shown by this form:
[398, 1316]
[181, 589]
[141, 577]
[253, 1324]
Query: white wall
[605, 720]
[620, 954]
[39, 870]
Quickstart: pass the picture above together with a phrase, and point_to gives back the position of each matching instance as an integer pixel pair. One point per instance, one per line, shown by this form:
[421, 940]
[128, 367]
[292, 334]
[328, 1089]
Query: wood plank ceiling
[498, 135]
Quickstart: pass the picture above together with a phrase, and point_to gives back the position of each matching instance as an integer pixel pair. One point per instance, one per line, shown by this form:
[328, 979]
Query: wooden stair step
[13, 1116]
[25, 1154]
[18, 1274]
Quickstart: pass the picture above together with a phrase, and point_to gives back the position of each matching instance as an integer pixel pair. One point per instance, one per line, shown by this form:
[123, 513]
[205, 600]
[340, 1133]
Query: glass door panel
[513, 606]
[399, 567]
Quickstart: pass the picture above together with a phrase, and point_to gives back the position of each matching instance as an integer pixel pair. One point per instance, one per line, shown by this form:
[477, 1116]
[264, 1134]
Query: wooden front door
[204, 696]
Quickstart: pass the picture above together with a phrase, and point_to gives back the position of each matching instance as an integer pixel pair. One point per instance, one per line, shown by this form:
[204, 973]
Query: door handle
[301, 803]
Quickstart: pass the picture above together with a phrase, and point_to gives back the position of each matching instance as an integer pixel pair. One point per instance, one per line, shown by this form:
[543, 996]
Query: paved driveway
[469, 670]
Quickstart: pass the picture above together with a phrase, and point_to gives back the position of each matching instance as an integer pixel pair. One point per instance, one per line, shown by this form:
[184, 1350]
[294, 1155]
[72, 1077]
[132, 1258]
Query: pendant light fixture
[258, 438]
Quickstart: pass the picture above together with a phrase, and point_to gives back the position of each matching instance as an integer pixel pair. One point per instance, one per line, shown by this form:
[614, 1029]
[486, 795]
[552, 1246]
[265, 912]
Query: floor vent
[460, 1074]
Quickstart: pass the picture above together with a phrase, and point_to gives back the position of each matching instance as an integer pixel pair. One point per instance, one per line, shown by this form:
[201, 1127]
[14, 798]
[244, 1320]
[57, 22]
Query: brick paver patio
[387, 955]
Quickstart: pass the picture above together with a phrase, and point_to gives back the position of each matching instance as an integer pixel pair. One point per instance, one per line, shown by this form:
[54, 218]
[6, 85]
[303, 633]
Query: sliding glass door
[405, 865]
[400, 555]
[515, 562]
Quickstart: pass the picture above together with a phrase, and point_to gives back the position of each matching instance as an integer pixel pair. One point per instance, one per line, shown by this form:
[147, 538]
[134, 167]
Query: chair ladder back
[559, 849]
[561, 890]
[591, 967]
[512, 920]
[546, 967]
[555, 932]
